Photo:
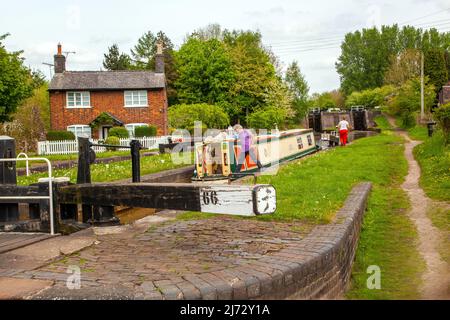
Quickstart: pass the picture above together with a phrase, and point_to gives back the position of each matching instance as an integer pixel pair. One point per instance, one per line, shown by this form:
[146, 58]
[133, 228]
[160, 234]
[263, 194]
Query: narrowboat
[216, 158]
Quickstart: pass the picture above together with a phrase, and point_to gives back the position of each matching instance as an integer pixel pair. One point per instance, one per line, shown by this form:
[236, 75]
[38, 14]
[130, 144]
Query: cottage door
[104, 132]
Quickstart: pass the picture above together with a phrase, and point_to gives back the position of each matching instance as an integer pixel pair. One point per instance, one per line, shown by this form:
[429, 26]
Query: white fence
[71, 146]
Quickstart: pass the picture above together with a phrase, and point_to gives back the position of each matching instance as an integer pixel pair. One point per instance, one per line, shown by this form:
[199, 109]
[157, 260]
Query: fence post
[8, 211]
[84, 172]
[136, 160]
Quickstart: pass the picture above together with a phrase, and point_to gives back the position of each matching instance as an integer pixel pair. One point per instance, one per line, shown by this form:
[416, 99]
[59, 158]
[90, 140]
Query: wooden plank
[246, 200]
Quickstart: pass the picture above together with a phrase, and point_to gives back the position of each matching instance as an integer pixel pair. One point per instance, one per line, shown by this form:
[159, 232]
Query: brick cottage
[444, 94]
[92, 102]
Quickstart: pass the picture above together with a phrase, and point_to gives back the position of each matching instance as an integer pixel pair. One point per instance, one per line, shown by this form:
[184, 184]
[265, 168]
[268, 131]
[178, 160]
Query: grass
[388, 240]
[315, 188]
[434, 160]
[111, 171]
[440, 217]
[418, 133]
[74, 156]
[383, 123]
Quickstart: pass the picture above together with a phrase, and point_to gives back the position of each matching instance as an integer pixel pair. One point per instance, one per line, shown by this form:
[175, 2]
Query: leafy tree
[253, 73]
[370, 98]
[15, 81]
[366, 54]
[299, 89]
[114, 60]
[442, 116]
[204, 72]
[322, 100]
[30, 121]
[435, 68]
[403, 67]
[338, 98]
[144, 51]
[267, 118]
[183, 116]
[407, 100]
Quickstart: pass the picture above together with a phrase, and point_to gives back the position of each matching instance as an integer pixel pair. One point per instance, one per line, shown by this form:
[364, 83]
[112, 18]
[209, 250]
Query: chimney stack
[159, 58]
[60, 60]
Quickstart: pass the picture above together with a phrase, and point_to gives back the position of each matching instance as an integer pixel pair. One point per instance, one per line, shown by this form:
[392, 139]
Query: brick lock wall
[112, 102]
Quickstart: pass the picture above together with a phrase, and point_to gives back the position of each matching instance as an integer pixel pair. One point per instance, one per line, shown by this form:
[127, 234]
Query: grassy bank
[434, 160]
[314, 188]
[439, 215]
[112, 171]
[388, 240]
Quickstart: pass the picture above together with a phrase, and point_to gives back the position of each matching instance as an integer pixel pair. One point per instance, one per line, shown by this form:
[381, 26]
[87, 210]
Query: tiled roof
[107, 80]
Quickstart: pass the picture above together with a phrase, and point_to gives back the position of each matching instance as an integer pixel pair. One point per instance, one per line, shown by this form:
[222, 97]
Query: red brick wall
[112, 102]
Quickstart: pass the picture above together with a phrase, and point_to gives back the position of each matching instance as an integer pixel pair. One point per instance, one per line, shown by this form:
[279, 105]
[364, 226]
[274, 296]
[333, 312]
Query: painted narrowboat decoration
[216, 158]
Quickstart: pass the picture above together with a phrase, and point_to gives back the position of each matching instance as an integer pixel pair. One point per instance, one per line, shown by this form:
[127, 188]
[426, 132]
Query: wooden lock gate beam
[243, 200]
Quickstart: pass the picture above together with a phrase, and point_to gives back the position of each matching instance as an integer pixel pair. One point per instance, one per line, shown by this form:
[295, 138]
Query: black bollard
[8, 211]
[136, 160]
[84, 171]
[430, 126]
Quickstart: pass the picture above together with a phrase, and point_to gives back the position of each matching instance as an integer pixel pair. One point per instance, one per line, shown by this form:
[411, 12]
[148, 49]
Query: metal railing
[50, 189]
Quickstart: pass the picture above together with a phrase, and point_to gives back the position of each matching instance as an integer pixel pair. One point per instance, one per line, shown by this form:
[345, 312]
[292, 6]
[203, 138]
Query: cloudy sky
[306, 31]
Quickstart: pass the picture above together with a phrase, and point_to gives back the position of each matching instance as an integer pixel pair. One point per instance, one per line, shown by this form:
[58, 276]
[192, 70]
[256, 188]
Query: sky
[309, 32]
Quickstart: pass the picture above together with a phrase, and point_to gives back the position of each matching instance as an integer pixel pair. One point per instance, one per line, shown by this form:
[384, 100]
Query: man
[245, 138]
[343, 127]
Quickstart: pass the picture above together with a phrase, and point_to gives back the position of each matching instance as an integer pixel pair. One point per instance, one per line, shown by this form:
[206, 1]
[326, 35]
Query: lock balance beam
[239, 200]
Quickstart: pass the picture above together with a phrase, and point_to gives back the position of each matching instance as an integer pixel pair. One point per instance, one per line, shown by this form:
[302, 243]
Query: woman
[343, 127]
[245, 139]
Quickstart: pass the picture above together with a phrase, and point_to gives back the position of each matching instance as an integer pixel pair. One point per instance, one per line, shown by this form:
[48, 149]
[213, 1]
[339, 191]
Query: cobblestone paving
[171, 256]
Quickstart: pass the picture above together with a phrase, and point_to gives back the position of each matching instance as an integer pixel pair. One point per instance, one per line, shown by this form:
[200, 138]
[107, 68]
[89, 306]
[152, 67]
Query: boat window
[310, 140]
[300, 142]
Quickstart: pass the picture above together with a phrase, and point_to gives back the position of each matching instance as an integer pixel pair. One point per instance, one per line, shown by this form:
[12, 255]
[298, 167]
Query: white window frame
[75, 106]
[138, 103]
[132, 126]
[75, 128]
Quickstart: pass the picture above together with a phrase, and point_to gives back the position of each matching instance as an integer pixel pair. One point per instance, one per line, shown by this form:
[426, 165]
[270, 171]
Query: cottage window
[81, 99]
[132, 126]
[80, 130]
[136, 98]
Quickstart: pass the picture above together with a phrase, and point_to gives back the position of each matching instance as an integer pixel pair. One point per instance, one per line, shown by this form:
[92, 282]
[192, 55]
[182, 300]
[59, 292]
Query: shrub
[119, 132]
[442, 116]
[60, 135]
[149, 131]
[370, 98]
[112, 140]
[267, 118]
[183, 116]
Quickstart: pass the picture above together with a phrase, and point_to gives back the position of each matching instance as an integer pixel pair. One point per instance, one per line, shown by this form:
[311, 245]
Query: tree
[403, 67]
[253, 73]
[183, 116]
[299, 89]
[15, 81]
[338, 98]
[204, 72]
[114, 60]
[144, 53]
[407, 100]
[370, 98]
[366, 54]
[30, 121]
[267, 118]
[435, 68]
[322, 100]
